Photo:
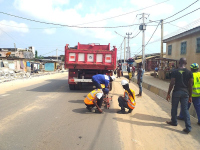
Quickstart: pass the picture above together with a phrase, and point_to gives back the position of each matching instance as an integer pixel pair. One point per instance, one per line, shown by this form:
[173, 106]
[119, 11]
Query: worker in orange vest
[95, 98]
[128, 101]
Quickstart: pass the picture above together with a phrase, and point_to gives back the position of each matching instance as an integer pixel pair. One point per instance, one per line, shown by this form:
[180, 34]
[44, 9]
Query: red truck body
[86, 60]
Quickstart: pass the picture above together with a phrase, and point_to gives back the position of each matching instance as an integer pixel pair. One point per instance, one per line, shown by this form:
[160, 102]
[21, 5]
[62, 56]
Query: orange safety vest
[89, 100]
[131, 101]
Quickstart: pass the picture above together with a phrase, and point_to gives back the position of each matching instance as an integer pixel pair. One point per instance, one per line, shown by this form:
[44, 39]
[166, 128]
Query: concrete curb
[153, 89]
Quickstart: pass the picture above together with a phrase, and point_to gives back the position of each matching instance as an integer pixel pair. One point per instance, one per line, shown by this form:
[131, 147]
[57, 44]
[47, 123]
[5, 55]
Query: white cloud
[53, 11]
[79, 6]
[49, 31]
[156, 10]
[10, 26]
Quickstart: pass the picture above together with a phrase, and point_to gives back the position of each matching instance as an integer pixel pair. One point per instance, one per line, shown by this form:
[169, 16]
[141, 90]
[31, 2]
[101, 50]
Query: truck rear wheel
[71, 86]
[78, 86]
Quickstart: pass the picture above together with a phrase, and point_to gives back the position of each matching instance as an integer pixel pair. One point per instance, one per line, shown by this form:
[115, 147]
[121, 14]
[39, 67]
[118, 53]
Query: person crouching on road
[128, 101]
[102, 79]
[95, 98]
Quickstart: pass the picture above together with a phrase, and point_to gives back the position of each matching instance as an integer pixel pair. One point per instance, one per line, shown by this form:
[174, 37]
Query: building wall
[191, 55]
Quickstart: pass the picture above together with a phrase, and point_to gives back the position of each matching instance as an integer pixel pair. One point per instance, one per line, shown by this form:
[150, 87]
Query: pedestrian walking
[139, 78]
[118, 72]
[133, 71]
[129, 69]
[128, 101]
[195, 92]
[181, 81]
[95, 98]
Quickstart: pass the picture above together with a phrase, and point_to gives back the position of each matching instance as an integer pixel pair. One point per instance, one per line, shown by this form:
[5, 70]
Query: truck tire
[71, 86]
[78, 86]
[110, 86]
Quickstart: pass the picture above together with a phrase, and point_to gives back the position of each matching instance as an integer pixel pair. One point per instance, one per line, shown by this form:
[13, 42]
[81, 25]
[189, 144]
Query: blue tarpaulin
[28, 64]
[49, 66]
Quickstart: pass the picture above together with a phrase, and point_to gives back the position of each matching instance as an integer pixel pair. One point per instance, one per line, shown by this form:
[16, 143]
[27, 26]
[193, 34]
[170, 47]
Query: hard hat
[106, 90]
[112, 77]
[194, 66]
[124, 82]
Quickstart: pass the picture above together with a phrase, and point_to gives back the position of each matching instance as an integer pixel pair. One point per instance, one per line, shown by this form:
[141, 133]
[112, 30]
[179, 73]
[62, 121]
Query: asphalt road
[43, 114]
[48, 116]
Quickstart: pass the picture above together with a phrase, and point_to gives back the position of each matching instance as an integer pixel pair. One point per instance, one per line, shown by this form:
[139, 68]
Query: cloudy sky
[57, 15]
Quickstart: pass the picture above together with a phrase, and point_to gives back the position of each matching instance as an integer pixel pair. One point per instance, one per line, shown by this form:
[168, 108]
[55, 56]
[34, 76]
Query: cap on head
[194, 66]
[106, 90]
[112, 77]
[124, 82]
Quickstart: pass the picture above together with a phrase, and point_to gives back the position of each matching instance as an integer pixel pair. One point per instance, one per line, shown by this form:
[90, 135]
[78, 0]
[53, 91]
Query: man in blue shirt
[102, 79]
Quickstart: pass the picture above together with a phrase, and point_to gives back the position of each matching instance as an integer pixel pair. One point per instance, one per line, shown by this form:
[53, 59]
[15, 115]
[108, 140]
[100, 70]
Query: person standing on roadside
[129, 69]
[139, 79]
[181, 81]
[195, 92]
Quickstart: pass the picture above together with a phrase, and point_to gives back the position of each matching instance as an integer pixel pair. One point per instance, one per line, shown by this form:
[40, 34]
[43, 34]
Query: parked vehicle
[86, 60]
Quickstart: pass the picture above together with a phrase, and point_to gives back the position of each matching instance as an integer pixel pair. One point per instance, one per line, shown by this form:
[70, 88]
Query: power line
[177, 26]
[182, 16]
[11, 37]
[64, 24]
[181, 10]
[124, 13]
[135, 35]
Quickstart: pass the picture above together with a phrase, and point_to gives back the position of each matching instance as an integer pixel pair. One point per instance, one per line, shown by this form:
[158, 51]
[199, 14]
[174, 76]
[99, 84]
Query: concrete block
[162, 94]
[154, 90]
[145, 85]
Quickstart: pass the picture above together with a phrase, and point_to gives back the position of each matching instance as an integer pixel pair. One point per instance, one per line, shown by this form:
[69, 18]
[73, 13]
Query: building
[18, 52]
[186, 44]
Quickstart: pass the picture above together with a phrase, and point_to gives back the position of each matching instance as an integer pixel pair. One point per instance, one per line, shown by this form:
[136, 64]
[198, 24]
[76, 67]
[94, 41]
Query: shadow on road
[59, 85]
[77, 101]
[165, 126]
[149, 117]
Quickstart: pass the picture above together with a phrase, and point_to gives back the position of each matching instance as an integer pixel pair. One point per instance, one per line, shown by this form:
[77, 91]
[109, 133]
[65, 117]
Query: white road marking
[5, 95]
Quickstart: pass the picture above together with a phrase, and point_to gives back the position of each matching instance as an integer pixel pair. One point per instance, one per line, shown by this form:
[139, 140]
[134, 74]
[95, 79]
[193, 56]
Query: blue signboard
[49, 67]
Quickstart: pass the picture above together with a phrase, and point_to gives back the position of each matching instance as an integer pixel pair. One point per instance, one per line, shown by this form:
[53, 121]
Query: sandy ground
[145, 127]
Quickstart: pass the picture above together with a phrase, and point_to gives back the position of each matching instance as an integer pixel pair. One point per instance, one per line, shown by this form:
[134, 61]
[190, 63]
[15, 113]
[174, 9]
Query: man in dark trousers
[139, 79]
[182, 82]
[195, 92]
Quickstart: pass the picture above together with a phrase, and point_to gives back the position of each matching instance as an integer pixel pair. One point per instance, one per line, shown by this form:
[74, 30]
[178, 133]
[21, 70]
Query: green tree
[36, 54]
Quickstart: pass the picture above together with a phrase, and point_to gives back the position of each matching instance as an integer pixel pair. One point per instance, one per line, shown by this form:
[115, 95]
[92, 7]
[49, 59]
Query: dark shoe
[179, 118]
[171, 123]
[198, 123]
[130, 110]
[186, 131]
[89, 108]
[122, 112]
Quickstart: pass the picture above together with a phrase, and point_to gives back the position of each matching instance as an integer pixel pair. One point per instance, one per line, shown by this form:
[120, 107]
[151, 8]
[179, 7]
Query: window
[183, 48]
[198, 45]
[169, 49]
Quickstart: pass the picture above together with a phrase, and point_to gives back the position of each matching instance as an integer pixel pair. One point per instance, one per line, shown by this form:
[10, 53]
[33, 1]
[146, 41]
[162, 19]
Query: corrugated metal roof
[186, 33]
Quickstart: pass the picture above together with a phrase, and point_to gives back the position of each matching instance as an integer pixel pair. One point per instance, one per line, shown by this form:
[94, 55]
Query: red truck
[86, 60]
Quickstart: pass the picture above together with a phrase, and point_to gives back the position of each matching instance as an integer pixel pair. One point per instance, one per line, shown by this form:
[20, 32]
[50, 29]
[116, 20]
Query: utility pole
[124, 49]
[57, 54]
[15, 48]
[161, 53]
[129, 54]
[143, 28]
